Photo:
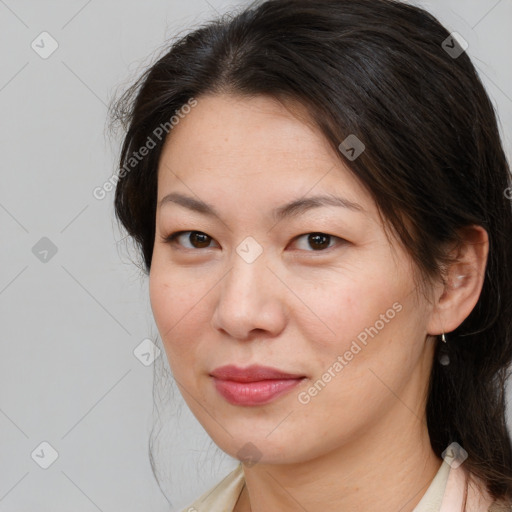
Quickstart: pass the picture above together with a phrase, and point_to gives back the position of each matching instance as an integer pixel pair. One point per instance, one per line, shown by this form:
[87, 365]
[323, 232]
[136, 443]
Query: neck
[387, 468]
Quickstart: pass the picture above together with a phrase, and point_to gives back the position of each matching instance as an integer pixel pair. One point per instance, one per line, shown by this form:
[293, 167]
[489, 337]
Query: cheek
[341, 308]
[364, 345]
[178, 304]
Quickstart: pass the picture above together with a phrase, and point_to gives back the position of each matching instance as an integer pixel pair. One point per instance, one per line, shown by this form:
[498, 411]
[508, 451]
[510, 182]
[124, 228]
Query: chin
[260, 450]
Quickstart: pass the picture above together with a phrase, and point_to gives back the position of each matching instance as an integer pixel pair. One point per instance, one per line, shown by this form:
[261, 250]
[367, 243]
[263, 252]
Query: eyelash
[171, 239]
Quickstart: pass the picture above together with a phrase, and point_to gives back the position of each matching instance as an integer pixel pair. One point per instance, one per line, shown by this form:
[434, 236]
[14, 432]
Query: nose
[250, 301]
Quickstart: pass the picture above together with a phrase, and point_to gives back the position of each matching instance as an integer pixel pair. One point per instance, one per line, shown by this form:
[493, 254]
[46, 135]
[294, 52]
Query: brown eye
[199, 240]
[317, 241]
[196, 239]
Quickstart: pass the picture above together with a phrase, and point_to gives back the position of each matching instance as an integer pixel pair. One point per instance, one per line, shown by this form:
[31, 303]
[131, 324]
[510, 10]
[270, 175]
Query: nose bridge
[247, 277]
[245, 280]
[247, 299]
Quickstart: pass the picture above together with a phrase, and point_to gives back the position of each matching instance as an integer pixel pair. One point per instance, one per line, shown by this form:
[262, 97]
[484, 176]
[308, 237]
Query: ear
[458, 295]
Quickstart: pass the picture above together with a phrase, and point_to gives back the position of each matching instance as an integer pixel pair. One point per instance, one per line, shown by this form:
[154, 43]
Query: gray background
[70, 324]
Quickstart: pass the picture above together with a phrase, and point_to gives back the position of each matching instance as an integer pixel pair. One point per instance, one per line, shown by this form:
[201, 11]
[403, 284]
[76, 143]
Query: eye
[318, 241]
[197, 239]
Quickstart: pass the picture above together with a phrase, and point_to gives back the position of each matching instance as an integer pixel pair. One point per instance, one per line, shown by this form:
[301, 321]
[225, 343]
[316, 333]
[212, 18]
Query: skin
[362, 442]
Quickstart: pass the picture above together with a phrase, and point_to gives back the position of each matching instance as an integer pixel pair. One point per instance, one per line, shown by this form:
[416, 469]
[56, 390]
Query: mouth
[254, 385]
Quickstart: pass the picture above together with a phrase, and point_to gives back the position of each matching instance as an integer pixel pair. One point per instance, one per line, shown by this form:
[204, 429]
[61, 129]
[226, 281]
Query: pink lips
[254, 385]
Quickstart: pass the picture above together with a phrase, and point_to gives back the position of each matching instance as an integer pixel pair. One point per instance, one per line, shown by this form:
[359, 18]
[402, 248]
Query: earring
[443, 356]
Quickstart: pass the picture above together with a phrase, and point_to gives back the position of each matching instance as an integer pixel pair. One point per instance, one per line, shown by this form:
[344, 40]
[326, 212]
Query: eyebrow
[292, 209]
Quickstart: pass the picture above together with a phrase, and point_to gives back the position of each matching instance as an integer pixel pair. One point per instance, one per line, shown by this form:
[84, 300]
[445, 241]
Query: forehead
[222, 125]
[258, 143]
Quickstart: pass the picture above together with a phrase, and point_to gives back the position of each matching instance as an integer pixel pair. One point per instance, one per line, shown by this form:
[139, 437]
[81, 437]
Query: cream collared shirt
[445, 494]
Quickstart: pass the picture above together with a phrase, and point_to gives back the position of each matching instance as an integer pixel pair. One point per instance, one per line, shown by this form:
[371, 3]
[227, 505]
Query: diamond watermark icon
[351, 147]
[146, 352]
[454, 45]
[44, 455]
[44, 45]
[44, 250]
[249, 250]
[454, 455]
[249, 454]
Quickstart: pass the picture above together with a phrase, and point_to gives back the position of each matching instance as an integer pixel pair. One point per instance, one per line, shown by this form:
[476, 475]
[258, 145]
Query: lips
[254, 385]
[252, 373]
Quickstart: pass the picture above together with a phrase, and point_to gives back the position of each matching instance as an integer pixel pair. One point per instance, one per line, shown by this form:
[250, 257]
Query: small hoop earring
[443, 338]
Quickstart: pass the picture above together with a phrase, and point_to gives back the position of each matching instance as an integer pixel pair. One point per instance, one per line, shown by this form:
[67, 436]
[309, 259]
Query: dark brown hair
[433, 163]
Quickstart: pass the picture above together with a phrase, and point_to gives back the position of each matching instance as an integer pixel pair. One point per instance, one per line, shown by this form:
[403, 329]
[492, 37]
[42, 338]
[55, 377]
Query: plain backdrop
[74, 309]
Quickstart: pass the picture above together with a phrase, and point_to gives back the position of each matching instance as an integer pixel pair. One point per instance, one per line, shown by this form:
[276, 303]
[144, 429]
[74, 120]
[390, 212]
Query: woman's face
[314, 290]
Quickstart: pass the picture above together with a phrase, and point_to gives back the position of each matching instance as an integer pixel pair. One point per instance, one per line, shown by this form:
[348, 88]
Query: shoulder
[466, 491]
[223, 496]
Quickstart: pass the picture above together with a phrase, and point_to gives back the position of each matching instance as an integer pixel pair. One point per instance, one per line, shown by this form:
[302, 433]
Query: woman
[318, 190]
